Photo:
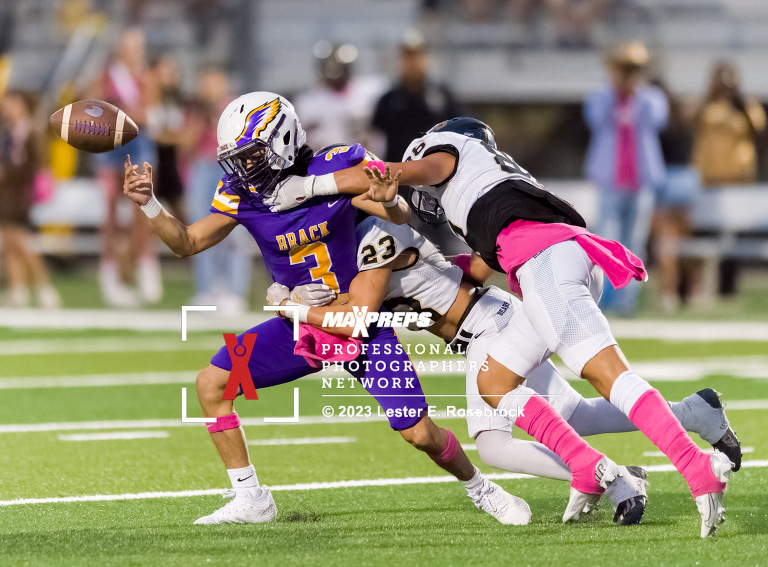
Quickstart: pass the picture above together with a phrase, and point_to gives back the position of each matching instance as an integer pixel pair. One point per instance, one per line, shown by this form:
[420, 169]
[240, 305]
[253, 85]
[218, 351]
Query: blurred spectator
[165, 119]
[624, 158]
[415, 104]
[126, 84]
[674, 200]
[222, 273]
[492, 10]
[338, 111]
[727, 125]
[575, 19]
[19, 171]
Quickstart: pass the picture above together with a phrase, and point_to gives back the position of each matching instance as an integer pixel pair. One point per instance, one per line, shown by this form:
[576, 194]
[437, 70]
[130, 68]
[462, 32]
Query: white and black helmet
[259, 136]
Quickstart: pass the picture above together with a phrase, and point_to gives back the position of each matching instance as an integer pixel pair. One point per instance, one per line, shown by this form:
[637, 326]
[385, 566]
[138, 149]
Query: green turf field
[431, 524]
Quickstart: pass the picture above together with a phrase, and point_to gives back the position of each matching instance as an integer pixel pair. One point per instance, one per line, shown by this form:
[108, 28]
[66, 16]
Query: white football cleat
[711, 505]
[579, 503]
[505, 507]
[606, 472]
[244, 508]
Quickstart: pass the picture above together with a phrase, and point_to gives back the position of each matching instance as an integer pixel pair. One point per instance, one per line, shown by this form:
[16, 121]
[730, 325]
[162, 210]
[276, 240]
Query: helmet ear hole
[287, 137]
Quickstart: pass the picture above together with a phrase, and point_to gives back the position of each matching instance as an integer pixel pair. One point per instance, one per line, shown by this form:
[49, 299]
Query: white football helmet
[259, 135]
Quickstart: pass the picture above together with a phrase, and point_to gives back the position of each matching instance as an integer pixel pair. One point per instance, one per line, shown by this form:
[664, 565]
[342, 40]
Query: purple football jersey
[312, 243]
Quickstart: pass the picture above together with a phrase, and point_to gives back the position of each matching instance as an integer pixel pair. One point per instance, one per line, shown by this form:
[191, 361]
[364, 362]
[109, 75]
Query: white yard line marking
[302, 441]
[106, 344]
[311, 486]
[160, 423]
[469, 446]
[733, 405]
[659, 370]
[670, 370]
[91, 380]
[169, 321]
[684, 370]
[689, 331]
[744, 450]
[136, 320]
[745, 405]
[114, 435]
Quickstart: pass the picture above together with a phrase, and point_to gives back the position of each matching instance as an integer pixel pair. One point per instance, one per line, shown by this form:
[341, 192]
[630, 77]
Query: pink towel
[617, 262]
[312, 339]
[522, 240]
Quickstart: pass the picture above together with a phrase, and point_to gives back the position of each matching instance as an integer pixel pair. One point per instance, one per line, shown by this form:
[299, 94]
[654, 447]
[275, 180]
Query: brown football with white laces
[93, 126]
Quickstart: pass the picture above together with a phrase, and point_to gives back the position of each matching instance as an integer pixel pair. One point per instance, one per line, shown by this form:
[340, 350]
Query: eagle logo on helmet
[258, 119]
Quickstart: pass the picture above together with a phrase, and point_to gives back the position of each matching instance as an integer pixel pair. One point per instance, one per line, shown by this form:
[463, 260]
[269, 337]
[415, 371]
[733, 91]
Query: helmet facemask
[254, 165]
[426, 207]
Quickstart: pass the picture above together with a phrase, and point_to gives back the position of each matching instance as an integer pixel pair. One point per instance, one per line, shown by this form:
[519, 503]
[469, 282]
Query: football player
[402, 271]
[312, 248]
[557, 266]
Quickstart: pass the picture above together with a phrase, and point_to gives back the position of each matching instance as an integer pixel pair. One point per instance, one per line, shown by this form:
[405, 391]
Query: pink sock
[540, 420]
[652, 416]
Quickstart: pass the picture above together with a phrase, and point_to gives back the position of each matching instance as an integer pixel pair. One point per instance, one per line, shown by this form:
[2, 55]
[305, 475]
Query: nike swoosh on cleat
[712, 510]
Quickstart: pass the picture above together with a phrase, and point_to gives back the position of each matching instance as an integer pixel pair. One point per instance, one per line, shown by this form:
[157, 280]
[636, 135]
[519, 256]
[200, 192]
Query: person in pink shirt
[624, 158]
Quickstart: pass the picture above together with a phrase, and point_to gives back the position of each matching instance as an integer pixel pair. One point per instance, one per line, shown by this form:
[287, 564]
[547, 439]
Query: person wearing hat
[624, 158]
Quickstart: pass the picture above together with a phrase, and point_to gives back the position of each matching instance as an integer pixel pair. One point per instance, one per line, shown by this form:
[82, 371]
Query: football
[93, 126]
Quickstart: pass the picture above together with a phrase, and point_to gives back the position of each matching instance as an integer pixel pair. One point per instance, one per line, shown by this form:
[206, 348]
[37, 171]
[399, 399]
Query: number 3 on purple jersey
[322, 271]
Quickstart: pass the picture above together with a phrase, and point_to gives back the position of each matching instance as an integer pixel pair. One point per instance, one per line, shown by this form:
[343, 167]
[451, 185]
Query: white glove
[314, 295]
[295, 190]
[277, 293]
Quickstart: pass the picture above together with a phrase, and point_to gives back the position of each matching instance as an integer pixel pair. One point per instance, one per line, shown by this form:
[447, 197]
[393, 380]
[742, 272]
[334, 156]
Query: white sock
[244, 478]
[499, 449]
[627, 389]
[515, 400]
[597, 415]
[475, 483]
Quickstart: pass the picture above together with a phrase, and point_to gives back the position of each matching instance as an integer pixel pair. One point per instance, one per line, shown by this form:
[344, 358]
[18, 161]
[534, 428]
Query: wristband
[323, 185]
[377, 164]
[303, 311]
[391, 204]
[152, 208]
